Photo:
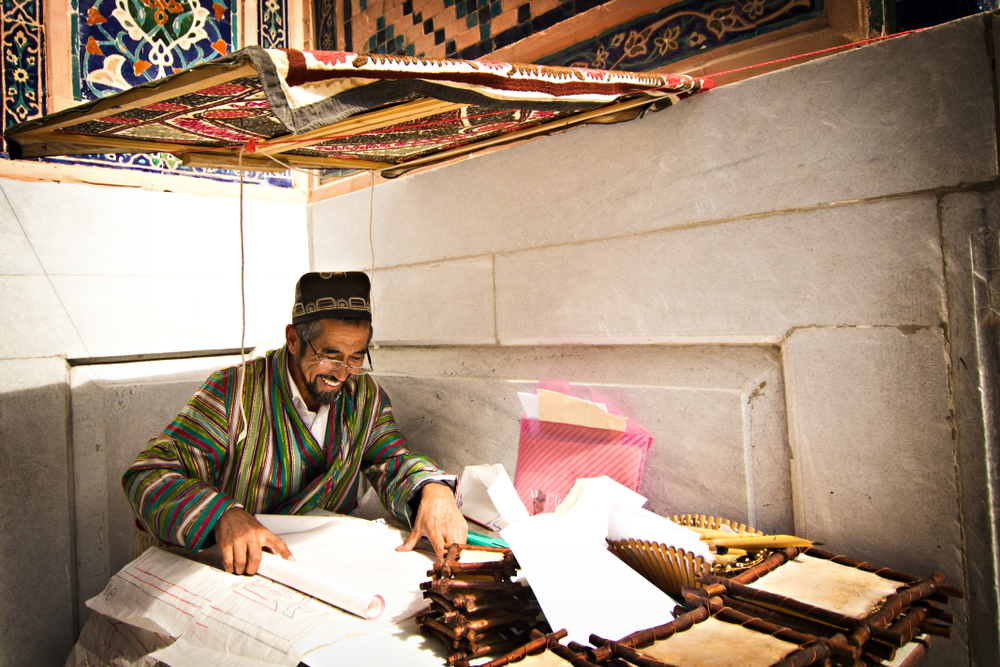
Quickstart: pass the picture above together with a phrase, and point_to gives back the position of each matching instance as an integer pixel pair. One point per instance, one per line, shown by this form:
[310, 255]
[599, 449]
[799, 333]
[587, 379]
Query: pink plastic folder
[552, 456]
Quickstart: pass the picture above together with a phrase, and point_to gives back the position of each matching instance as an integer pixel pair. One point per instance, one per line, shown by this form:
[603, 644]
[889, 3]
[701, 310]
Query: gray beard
[318, 395]
[322, 396]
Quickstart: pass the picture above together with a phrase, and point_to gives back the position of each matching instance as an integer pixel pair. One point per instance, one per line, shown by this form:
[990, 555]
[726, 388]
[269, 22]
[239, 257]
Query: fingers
[410, 542]
[437, 542]
[241, 538]
[227, 558]
[276, 545]
[252, 555]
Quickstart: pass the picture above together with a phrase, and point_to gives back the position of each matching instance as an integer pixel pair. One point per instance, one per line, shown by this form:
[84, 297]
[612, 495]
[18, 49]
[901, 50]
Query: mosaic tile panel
[272, 19]
[121, 43]
[682, 30]
[164, 163]
[470, 29]
[325, 24]
[22, 36]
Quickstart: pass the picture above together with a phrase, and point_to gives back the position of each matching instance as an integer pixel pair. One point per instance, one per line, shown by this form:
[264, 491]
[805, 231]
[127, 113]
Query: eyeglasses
[353, 370]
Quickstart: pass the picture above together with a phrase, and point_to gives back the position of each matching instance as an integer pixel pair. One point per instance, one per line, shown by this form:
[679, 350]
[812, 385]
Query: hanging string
[371, 242]
[251, 145]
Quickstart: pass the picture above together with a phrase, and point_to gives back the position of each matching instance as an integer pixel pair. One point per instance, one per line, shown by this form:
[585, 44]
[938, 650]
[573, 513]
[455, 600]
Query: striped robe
[186, 477]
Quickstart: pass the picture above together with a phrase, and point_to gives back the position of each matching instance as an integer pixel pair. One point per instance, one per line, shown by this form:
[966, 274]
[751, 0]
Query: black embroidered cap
[320, 296]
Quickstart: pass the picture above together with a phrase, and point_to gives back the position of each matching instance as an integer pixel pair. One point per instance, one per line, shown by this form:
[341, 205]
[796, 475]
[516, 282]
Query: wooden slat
[212, 161]
[547, 128]
[181, 84]
[80, 144]
[363, 122]
[231, 161]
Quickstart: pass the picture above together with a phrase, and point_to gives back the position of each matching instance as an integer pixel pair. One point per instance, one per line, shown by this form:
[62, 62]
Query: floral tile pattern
[682, 30]
[272, 19]
[23, 45]
[121, 43]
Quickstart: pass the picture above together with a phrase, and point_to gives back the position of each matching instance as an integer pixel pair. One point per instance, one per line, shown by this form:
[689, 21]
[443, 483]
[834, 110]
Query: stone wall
[89, 272]
[775, 278]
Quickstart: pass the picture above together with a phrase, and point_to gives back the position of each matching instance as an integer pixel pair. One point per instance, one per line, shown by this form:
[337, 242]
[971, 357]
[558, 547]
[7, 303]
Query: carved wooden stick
[538, 644]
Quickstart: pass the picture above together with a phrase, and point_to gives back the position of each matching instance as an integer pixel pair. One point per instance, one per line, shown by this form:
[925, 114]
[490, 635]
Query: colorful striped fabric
[186, 477]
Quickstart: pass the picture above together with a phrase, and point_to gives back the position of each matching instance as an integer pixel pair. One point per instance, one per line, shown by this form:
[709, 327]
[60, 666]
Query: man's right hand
[241, 539]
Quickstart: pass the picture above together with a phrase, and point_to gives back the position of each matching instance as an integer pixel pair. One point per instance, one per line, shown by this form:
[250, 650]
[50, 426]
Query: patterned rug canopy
[275, 109]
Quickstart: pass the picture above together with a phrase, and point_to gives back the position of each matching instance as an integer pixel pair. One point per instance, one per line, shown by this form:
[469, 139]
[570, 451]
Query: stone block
[121, 407]
[17, 257]
[873, 466]
[804, 136]
[90, 488]
[339, 232]
[84, 230]
[36, 323]
[447, 302]
[117, 315]
[968, 223]
[747, 280]
[36, 544]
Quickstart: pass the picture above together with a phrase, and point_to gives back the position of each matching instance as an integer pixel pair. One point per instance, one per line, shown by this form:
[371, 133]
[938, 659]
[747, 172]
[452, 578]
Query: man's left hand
[438, 519]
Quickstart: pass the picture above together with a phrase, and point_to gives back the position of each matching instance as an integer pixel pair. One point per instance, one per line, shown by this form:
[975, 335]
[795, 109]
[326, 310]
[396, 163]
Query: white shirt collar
[307, 415]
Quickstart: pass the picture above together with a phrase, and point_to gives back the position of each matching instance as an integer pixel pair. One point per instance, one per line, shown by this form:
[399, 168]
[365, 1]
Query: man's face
[319, 381]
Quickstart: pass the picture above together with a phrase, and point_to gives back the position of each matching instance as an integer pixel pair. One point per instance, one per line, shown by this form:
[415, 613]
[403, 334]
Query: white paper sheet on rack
[216, 618]
[583, 587]
[640, 524]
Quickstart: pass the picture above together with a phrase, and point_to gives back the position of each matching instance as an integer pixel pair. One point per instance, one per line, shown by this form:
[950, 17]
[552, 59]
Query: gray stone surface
[85, 230]
[198, 318]
[748, 280]
[37, 566]
[969, 221]
[36, 323]
[117, 408]
[102, 277]
[718, 436]
[16, 254]
[426, 304]
[90, 490]
[873, 471]
[904, 115]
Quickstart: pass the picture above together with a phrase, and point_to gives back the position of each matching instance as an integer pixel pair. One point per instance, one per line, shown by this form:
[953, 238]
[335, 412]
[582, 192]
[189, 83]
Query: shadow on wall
[37, 568]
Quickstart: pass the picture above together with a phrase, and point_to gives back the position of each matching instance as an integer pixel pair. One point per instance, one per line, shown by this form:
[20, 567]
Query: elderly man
[287, 433]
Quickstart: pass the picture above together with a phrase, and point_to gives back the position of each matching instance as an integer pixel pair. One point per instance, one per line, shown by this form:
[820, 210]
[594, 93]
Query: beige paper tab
[563, 409]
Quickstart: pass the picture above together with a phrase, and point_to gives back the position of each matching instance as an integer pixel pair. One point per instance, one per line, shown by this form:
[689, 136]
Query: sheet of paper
[639, 524]
[556, 407]
[349, 563]
[401, 645]
[582, 587]
[505, 499]
[530, 404]
[590, 504]
[203, 611]
[476, 501]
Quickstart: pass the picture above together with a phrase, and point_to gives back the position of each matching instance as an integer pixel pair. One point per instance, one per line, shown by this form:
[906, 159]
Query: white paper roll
[360, 602]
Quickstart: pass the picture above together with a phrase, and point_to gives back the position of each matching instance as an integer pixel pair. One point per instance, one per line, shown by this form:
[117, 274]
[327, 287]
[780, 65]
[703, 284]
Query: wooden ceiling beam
[183, 83]
[250, 163]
